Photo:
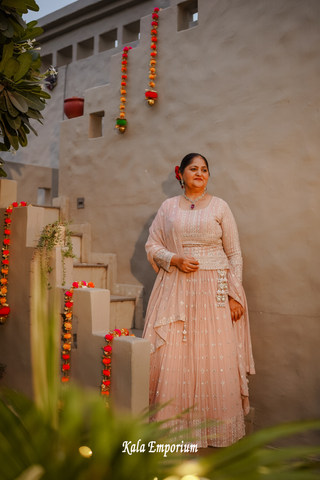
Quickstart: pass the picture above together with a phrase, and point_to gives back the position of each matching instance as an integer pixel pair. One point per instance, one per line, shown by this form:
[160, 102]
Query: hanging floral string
[106, 360]
[4, 306]
[151, 94]
[67, 327]
[121, 122]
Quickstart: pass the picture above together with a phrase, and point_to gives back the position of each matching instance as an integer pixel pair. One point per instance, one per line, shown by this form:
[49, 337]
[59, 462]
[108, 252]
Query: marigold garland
[121, 122]
[67, 327]
[4, 306]
[151, 94]
[106, 360]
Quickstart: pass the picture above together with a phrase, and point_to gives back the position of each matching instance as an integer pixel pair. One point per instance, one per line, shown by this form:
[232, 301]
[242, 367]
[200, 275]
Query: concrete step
[122, 312]
[51, 214]
[121, 298]
[91, 272]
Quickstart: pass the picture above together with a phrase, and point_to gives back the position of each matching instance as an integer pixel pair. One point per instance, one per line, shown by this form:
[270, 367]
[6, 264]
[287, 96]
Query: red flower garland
[121, 122]
[151, 95]
[4, 307]
[67, 327]
[106, 360]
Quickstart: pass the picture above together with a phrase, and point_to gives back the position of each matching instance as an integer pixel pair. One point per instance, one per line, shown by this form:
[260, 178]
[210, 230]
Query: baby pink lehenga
[199, 357]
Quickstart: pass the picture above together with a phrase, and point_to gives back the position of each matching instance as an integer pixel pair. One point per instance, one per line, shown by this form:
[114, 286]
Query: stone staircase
[126, 301]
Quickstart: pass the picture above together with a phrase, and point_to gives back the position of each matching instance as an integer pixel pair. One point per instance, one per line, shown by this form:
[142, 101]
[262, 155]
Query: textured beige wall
[31, 177]
[242, 88]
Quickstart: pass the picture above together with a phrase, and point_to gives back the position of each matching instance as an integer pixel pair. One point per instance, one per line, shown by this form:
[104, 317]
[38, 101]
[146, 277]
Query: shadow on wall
[13, 170]
[140, 267]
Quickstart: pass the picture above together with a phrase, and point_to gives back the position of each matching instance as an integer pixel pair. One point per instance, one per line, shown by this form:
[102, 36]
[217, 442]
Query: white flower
[52, 70]
[30, 43]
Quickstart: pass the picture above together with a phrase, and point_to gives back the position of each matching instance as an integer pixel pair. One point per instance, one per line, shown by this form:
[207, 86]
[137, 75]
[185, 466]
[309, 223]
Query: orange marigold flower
[4, 281]
[4, 271]
[3, 300]
[65, 379]
[4, 290]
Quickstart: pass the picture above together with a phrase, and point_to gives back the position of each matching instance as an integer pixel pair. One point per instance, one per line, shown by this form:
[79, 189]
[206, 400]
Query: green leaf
[3, 105]
[33, 114]
[18, 101]
[14, 123]
[11, 67]
[32, 33]
[37, 64]
[20, 20]
[11, 109]
[31, 4]
[2, 173]
[25, 128]
[32, 101]
[44, 94]
[9, 32]
[3, 21]
[32, 24]
[3, 148]
[6, 54]
[26, 121]
[10, 134]
[16, 4]
[22, 137]
[25, 60]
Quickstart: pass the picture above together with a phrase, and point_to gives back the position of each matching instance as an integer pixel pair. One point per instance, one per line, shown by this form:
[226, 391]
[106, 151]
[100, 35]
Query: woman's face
[196, 174]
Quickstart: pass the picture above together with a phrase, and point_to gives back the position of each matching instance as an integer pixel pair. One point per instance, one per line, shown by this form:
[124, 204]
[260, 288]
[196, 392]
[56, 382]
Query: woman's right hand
[185, 263]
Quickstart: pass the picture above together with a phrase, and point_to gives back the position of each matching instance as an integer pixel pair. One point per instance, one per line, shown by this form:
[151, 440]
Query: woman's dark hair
[188, 159]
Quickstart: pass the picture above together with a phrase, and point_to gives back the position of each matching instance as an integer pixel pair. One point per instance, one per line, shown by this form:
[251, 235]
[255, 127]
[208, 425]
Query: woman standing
[197, 320]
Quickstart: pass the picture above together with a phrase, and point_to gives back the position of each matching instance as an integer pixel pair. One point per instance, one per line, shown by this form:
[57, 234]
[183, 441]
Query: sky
[46, 7]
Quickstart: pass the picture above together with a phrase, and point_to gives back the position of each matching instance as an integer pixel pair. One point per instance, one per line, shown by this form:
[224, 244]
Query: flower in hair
[176, 170]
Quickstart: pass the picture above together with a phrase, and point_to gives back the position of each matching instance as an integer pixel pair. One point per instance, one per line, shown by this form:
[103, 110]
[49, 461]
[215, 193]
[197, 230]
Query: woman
[197, 319]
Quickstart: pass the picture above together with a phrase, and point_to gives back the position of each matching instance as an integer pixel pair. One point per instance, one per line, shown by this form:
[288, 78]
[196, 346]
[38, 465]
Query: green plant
[54, 234]
[21, 94]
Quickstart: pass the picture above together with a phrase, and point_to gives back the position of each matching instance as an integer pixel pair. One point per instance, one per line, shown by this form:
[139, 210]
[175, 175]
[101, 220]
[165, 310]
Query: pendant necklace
[195, 200]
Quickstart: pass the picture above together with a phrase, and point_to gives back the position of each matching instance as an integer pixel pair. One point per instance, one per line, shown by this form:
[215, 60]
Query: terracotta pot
[73, 107]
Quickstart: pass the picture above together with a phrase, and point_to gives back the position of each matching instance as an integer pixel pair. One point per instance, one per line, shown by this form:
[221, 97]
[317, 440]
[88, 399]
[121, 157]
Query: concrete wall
[242, 88]
[30, 178]
[67, 27]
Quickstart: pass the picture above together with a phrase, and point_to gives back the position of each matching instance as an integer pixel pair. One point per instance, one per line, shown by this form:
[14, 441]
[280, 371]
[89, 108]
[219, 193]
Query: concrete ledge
[130, 374]
[8, 192]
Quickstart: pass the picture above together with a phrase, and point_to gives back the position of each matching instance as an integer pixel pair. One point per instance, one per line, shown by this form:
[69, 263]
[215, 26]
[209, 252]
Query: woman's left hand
[236, 309]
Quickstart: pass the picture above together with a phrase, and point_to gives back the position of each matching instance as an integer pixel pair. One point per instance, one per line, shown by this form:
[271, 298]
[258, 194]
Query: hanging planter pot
[73, 107]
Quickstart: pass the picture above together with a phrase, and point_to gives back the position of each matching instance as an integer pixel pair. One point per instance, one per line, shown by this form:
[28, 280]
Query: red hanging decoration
[151, 94]
[106, 360]
[121, 122]
[4, 306]
[67, 327]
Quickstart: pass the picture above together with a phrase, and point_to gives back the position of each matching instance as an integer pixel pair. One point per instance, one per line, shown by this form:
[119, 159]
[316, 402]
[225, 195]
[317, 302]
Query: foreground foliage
[21, 95]
[29, 443]
[41, 439]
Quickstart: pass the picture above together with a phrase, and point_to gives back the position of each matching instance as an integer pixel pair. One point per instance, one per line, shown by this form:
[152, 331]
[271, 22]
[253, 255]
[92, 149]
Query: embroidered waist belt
[209, 258]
